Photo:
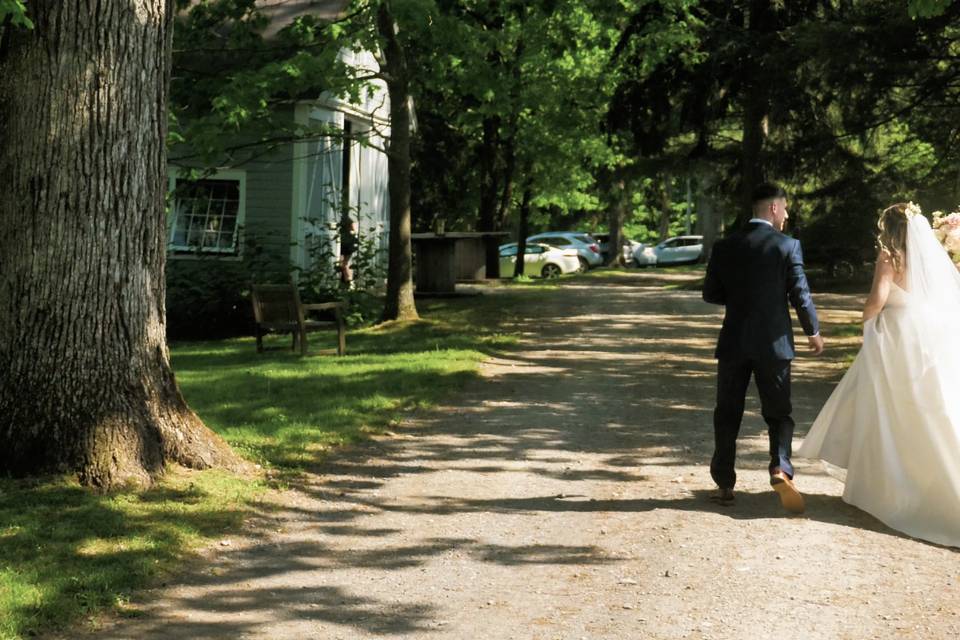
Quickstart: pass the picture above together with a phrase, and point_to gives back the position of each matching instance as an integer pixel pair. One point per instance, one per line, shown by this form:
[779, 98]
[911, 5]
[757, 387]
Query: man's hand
[816, 344]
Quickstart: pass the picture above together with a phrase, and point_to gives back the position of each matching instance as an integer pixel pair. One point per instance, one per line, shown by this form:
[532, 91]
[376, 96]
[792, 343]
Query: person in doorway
[348, 247]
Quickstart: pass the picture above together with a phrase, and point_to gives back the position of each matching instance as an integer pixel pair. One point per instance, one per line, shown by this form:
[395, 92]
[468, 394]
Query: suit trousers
[773, 384]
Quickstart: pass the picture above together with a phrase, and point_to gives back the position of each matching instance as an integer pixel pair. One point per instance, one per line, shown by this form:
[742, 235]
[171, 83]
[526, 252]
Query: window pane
[207, 212]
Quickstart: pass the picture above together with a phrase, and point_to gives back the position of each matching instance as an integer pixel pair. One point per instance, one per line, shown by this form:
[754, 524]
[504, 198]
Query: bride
[893, 422]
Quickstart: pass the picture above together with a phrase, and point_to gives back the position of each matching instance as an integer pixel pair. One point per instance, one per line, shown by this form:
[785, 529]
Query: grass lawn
[282, 410]
[67, 553]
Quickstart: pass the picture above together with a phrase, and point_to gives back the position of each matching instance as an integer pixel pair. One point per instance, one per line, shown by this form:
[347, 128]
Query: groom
[754, 273]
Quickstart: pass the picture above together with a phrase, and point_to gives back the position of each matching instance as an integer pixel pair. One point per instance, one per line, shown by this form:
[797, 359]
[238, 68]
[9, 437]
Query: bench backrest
[275, 303]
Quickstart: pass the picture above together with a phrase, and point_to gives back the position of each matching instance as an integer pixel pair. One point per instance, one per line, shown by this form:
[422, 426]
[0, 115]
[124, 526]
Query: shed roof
[283, 12]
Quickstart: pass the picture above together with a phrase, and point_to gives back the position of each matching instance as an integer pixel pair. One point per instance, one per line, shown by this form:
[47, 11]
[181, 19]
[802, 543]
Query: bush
[209, 298]
[322, 281]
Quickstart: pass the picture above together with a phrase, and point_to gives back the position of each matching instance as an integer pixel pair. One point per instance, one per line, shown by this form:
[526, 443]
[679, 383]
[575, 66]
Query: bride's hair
[893, 233]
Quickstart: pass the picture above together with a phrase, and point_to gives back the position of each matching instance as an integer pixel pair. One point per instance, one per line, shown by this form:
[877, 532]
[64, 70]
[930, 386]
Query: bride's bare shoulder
[890, 269]
[885, 262]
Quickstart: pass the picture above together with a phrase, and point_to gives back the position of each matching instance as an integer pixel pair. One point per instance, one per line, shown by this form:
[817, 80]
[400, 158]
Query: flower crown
[912, 210]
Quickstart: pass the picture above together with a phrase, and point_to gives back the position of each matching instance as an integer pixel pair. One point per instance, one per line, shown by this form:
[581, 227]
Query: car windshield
[585, 238]
[508, 251]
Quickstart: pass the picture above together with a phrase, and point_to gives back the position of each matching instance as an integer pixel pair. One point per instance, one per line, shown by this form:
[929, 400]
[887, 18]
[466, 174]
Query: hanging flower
[946, 226]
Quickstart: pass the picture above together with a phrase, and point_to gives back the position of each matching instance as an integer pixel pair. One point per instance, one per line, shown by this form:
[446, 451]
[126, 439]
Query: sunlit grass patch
[282, 410]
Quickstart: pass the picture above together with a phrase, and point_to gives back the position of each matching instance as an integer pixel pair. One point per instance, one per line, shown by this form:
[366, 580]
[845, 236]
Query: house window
[206, 215]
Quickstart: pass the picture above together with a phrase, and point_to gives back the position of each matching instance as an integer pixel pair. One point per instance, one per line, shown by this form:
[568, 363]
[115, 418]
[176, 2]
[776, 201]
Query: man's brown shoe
[790, 498]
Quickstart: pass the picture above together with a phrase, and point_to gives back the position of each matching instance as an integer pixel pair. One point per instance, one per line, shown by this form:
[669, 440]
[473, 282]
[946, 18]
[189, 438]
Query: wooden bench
[277, 309]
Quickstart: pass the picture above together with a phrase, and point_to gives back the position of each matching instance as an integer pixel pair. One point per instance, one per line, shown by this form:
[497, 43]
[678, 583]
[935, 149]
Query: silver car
[679, 250]
[538, 260]
[587, 248]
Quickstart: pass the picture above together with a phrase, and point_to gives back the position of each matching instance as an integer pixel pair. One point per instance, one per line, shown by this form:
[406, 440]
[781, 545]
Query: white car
[627, 246]
[587, 248]
[539, 260]
[679, 250]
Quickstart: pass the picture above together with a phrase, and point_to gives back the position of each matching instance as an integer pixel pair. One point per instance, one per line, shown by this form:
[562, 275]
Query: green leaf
[928, 8]
[16, 12]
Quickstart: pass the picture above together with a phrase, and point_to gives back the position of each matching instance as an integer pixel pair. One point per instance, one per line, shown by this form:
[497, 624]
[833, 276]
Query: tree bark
[666, 207]
[399, 304]
[86, 385]
[709, 222]
[509, 173]
[489, 189]
[523, 231]
[755, 101]
[615, 217]
[751, 169]
[510, 145]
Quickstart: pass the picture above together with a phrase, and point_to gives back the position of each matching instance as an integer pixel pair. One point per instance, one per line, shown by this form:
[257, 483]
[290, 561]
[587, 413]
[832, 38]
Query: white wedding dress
[893, 422]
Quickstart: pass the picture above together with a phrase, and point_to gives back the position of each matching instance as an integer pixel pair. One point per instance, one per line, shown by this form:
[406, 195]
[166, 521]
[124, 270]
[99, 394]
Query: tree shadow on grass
[67, 552]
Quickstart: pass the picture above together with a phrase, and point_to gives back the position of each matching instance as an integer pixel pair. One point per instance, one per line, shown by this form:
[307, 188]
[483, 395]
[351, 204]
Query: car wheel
[550, 271]
[842, 269]
[584, 265]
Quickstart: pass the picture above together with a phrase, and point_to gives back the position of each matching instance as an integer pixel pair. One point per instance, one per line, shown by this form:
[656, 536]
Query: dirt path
[564, 496]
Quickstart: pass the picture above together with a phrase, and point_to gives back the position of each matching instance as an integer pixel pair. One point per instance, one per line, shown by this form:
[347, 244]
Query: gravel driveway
[564, 495]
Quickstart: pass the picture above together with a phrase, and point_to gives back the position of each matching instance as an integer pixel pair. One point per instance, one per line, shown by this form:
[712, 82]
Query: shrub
[208, 297]
[322, 282]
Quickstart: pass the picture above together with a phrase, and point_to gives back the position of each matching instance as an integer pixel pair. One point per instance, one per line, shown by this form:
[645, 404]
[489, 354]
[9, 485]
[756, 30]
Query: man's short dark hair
[767, 191]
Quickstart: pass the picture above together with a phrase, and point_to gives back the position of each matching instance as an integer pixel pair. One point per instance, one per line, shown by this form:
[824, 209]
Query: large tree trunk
[85, 381]
[755, 102]
[399, 304]
[509, 173]
[523, 232]
[751, 169]
[489, 188]
[510, 145]
[709, 220]
[666, 207]
[615, 217]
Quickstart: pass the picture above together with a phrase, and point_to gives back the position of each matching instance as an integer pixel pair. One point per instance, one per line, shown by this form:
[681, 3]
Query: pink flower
[952, 242]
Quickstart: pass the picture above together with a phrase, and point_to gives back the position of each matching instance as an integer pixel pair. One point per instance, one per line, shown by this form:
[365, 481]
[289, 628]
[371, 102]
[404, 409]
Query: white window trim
[176, 251]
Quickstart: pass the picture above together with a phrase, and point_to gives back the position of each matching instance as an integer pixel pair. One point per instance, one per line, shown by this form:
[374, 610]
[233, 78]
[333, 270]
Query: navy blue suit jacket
[755, 272]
